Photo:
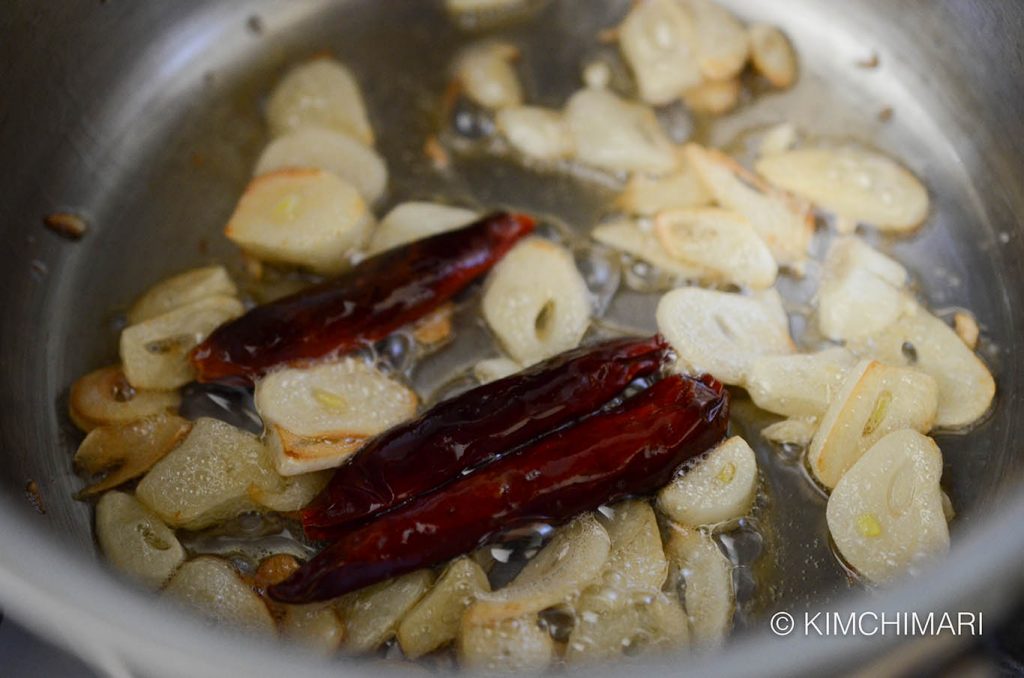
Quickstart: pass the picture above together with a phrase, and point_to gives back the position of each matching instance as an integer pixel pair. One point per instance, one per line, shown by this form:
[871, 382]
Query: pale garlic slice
[135, 540]
[181, 290]
[536, 302]
[646, 195]
[773, 55]
[798, 431]
[714, 96]
[290, 493]
[720, 40]
[704, 574]
[853, 182]
[721, 487]
[317, 417]
[799, 385]
[492, 369]
[875, 400]
[538, 133]
[721, 333]
[411, 221]
[155, 352]
[316, 627]
[778, 138]
[656, 40]
[785, 222]
[614, 134]
[331, 151]
[212, 588]
[104, 397]
[372, 614]
[487, 76]
[319, 93]
[636, 558]
[637, 239]
[886, 514]
[435, 620]
[611, 623]
[505, 646]
[722, 242]
[304, 217]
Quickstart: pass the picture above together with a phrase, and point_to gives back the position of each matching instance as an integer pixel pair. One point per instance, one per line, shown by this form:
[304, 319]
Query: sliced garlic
[647, 195]
[487, 76]
[155, 352]
[886, 514]
[798, 431]
[772, 55]
[492, 369]
[435, 620]
[656, 40]
[778, 139]
[291, 493]
[611, 623]
[435, 327]
[331, 151]
[181, 290]
[722, 333]
[875, 400]
[411, 221]
[316, 627]
[517, 645]
[719, 39]
[536, 301]
[636, 559]
[305, 217]
[372, 614]
[210, 587]
[319, 93]
[639, 241]
[798, 385]
[720, 488]
[714, 96]
[705, 575]
[720, 241]
[135, 541]
[852, 182]
[319, 416]
[537, 133]
[784, 222]
[617, 135]
[104, 397]
[966, 327]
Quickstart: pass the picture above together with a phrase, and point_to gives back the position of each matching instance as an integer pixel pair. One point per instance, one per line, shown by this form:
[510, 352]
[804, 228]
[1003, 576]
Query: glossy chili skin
[631, 449]
[476, 427]
[369, 302]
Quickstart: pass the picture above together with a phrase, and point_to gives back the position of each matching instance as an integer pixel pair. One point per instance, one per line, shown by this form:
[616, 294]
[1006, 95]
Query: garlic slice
[886, 514]
[319, 416]
[636, 559]
[305, 217]
[319, 93]
[505, 646]
[875, 400]
[721, 333]
[705, 575]
[290, 493]
[656, 40]
[104, 397]
[638, 240]
[487, 76]
[720, 39]
[411, 221]
[372, 614]
[435, 620]
[492, 369]
[617, 135]
[331, 151]
[853, 182]
[773, 55]
[798, 431]
[181, 290]
[538, 133]
[799, 385]
[210, 587]
[720, 241]
[316, 627]
[647, 195]
[784, 222]
[611, 623]
[155, 352]
[536, 301]
[714, 96]
[135, 541]
[721, 487]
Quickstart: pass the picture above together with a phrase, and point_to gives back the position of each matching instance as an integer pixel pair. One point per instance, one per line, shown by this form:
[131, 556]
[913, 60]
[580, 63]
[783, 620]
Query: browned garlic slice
[723, 333]
[636, 559]
[875, 400]
[372, 614]
[647, 195]
[720, 241]
[714, 96]
[656, 40]
[181, 290]
[719, 38]
[334, 152]
[104, 396]
[617, 135]
[720, 488]
[411, 221]
[536, 301]
[537, 133]
[317, 417]
[316, 627]
[135, 541]
[705, 575]
[784, 222]
[305, 217]
[210, 587]
[319, 93]
[435, 620]
[487, 76]
[797, 431]
[852, 182]
[155, 352]
[772, 55]
[517, 645]
[800, 385]
[637, 239]
[886, 514]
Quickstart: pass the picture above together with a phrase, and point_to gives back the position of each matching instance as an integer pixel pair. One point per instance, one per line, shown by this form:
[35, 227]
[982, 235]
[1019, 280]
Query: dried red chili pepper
[633, 448]
[476, 427]
[369, 302]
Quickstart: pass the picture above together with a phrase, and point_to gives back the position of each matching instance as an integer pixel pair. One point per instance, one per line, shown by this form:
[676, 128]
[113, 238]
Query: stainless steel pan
[145, 118]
